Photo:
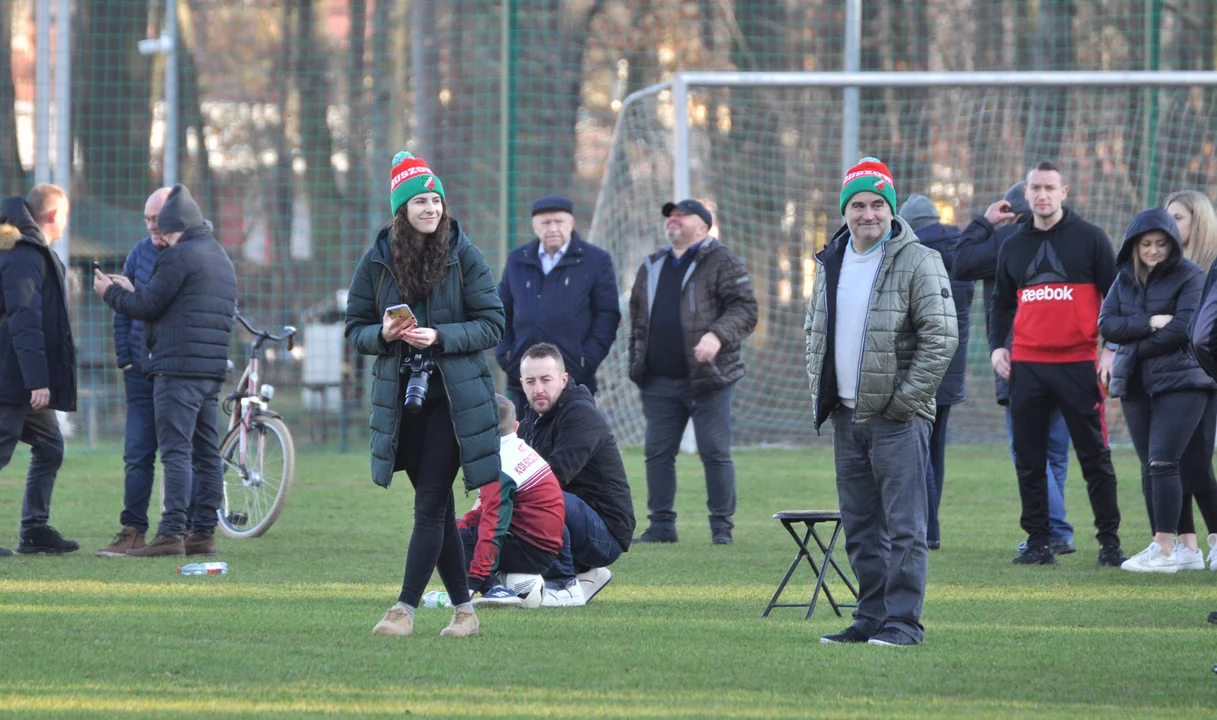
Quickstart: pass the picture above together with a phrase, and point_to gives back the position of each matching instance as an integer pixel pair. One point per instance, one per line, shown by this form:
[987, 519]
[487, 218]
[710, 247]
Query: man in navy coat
[558, 289]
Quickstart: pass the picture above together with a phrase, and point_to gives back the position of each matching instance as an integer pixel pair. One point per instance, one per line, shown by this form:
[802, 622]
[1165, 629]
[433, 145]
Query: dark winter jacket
[129, 347]
[577, 442]
[465, 310]
[575, 307]
[942, 238]
[36, 348]
[1203, 329]
[189, 305]
[716, 296]
[911, 332]
[1163, 358]
[976, 254]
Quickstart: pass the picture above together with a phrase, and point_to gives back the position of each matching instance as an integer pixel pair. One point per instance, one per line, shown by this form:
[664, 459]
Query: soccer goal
[765, 152]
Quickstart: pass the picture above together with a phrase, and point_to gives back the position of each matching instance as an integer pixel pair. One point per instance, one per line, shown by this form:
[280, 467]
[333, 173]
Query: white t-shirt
[858, 273]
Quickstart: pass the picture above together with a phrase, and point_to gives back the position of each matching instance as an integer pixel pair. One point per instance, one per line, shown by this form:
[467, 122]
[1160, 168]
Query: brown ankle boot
[127, 539]
[200, 543]
[161, 546]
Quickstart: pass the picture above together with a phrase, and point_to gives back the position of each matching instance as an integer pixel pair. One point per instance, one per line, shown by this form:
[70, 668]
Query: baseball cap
[692, 207]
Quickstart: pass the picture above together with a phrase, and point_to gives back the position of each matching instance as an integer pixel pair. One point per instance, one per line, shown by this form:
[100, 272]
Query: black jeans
[427, 450]
[935, 470]
[1035, 390]
[1196, 472]
[40, 430]
[187, 413]
[1161, 427]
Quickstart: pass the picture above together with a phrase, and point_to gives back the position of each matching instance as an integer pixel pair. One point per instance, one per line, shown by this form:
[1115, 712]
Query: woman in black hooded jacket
[1155, 372]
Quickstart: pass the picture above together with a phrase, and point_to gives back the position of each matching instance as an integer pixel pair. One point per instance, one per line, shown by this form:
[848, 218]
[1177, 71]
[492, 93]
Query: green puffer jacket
[911, 330]
[466, 312]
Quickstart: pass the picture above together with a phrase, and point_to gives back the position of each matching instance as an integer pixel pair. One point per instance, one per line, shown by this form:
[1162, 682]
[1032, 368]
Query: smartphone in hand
[402, 311]
[97, 268]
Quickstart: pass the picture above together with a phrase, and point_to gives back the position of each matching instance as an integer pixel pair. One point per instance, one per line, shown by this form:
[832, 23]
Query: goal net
[767, 161]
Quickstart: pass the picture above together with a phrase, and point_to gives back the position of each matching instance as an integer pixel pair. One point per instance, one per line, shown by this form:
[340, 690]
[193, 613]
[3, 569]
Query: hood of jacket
[16, 223]
[1148, 221]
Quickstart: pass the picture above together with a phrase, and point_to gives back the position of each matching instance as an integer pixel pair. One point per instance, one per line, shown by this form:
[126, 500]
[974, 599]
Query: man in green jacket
[881, 331]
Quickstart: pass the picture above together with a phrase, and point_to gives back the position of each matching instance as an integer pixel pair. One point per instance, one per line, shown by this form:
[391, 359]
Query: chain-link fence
[288, 113]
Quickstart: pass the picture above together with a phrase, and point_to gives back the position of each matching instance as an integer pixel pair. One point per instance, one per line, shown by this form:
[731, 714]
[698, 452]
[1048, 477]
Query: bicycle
[258, 453]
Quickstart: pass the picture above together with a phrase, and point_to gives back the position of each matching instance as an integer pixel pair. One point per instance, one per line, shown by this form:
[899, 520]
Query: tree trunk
[357, 219]
[111, 92]
[1053, 50]
[12, 174]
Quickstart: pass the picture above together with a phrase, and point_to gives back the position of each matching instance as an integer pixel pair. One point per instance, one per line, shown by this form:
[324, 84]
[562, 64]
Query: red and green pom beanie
[411, 177]
[869, 175]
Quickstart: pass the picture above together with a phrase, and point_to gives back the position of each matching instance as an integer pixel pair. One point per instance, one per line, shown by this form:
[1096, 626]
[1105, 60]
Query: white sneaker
[1152, 560]
[1188, 559]
[593, 581]
[569, 596]
[1213, 551]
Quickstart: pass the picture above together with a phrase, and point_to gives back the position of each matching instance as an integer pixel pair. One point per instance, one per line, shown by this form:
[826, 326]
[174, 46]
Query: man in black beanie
[188, 306]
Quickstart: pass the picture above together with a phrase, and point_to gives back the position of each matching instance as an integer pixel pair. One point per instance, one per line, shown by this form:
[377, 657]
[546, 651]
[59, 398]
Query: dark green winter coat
[466, 312]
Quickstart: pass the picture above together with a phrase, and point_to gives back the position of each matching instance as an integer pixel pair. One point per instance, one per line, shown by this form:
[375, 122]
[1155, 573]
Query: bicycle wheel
[254, 493]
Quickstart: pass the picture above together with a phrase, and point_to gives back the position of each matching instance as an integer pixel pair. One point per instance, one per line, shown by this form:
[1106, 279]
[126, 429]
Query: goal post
[764, 151]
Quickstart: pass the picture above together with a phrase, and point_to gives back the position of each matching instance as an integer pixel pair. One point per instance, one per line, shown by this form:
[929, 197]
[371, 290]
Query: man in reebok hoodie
[1052, 276]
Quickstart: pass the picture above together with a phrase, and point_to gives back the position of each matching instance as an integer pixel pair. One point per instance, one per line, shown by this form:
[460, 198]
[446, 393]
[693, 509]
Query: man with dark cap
[691, 308]
[37, 355]
[976, 259]
[924, 219]
[558, 289]
[188, 306]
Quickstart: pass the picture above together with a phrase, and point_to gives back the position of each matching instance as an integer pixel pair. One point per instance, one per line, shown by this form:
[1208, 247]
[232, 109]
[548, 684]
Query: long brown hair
[419, 261]
[1202, 243]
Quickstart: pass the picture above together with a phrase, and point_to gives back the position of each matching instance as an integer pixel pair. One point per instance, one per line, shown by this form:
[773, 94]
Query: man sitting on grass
[516, 524]
[571, 433]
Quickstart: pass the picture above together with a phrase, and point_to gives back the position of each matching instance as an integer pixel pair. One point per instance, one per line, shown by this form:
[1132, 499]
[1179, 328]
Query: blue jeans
[586, 542]
[1058, 467]
[668, 404]
[187, 413]
[139, 450]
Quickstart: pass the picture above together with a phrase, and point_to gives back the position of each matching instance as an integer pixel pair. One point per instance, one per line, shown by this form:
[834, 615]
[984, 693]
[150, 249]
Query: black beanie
[180, 212]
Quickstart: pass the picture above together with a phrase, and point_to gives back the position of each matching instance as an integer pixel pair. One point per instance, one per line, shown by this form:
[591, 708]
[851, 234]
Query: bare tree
[12, 175]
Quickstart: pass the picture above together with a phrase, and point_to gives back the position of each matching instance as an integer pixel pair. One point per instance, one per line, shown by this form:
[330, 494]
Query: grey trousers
[880, 467]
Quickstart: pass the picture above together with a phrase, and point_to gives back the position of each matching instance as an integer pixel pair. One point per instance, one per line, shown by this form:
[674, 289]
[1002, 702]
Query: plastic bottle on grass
[211, 568]
[436, 599]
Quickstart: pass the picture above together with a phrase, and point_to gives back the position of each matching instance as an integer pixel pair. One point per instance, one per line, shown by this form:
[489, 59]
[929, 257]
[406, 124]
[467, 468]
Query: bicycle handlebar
[286, 333]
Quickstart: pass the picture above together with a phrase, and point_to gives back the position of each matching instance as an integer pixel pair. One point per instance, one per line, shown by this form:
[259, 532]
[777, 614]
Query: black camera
[420, 368]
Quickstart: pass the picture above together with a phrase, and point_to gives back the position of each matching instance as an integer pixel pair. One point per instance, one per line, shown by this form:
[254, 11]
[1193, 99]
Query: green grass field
[677, 633]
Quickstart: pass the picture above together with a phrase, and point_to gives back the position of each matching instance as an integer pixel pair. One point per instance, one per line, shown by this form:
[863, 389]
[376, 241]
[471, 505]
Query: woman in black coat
[433, 409]
[1155, 373]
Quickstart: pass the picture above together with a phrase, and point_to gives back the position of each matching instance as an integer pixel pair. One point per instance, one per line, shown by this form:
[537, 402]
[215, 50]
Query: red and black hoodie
[1050, 285]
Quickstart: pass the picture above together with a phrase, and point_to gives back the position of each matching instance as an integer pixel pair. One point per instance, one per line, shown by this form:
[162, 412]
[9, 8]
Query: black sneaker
[722, 537]
[1035, 555]
[5, 552]
[1110, 556]
[849, 636]
[1061, 546]
[891, 637]
[45, 540]
[934, 544]
[657, 534]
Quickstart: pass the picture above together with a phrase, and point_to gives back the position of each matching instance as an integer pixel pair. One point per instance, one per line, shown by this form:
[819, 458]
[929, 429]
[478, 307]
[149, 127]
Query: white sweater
[858, 273]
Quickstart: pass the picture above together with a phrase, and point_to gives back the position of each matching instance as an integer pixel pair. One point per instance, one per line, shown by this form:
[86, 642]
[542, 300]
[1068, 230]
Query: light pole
[166, 45]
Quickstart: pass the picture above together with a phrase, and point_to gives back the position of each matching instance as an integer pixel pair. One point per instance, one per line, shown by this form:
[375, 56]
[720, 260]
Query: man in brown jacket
[881, 331]
[691, 307]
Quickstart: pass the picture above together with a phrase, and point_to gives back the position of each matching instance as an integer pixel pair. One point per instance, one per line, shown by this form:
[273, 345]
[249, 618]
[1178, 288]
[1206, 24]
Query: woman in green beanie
[423, 259]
